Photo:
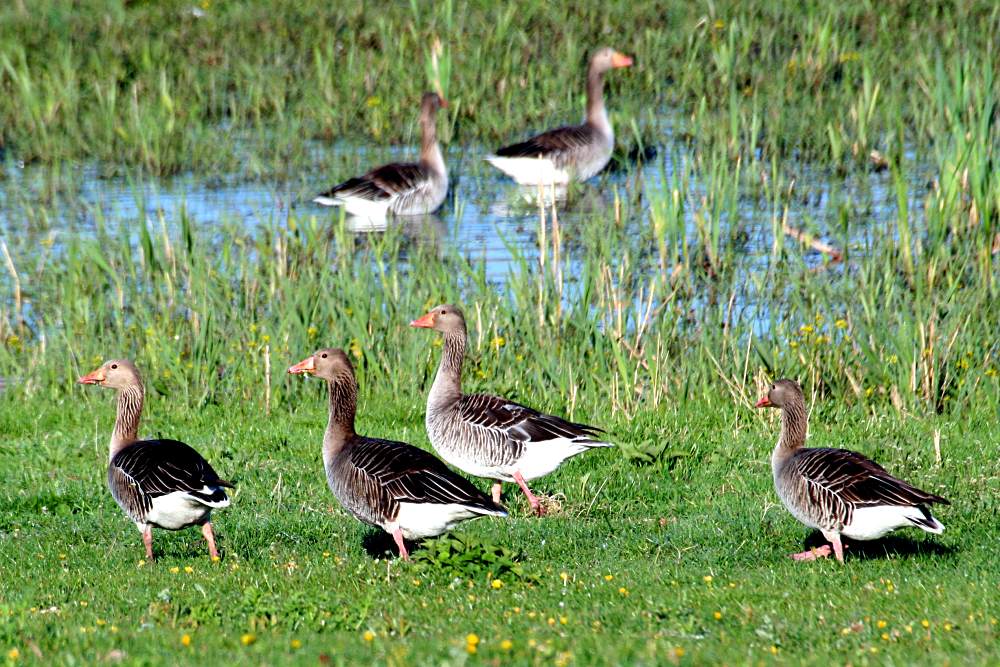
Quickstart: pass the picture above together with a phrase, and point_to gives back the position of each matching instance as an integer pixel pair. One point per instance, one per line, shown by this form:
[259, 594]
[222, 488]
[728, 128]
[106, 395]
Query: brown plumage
[162, 483]
[491, 436]
[838, 491]
[400, 188]
[404, 490]
[572, 152]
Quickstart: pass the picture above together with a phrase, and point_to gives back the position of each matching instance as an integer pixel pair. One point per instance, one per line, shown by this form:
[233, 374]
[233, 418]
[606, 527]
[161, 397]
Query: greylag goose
[162, 483]
[399, 188]
[489, 436]
[574, 152]
[838, 491]
[403, 490]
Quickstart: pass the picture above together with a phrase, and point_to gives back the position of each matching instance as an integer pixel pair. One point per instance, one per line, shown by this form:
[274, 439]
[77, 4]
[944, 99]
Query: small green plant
[471, 557]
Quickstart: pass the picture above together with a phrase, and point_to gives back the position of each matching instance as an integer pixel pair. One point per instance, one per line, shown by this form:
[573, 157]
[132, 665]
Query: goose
[839, 492]
[162, 483]
[574, 152]
[403, 490]
[489, 436]
[399, 188]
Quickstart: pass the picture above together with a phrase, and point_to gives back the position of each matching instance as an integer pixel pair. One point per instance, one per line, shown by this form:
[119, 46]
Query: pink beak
[307, 365]
[764, 402]
[620, 60]
[96, 377]
[425, 322]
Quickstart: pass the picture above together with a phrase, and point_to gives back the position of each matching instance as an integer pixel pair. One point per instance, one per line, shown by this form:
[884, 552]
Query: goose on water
[573, 152]
[489, 436]
[839, 492]
[162, 483]
[400, 188]
[405, 491]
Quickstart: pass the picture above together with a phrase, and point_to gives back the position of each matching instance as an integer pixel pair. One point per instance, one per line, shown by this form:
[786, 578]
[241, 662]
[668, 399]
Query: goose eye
[324, 355]
[443, 312]
[114, 366]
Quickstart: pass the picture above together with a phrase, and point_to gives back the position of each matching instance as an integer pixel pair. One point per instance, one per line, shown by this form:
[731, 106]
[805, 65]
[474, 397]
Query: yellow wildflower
[497, 584]
[881, 624]
[623, 591]
[717, 615]
[840, 324]
[188, 569]
[506, 645]
[925, 623]
[609, 577]
[13, 654]
[175, 569]
[296, 644]
[369, 636]
[707, 578]
[186, 640]
[312, 331]
[248, 638]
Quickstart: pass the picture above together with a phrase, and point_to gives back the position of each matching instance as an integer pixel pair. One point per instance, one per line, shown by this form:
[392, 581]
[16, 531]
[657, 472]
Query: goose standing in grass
[837, 491]
[574, 152]
[400, 188]
[162, 483]
[403, 490]
[489, 436]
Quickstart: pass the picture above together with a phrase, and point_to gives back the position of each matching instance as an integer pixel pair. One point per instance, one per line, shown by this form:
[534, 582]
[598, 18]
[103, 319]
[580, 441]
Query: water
[485, 217]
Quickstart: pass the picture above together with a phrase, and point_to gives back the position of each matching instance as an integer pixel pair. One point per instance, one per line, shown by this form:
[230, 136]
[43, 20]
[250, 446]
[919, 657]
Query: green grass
[295, 567]
[812, 79]
[660, 315]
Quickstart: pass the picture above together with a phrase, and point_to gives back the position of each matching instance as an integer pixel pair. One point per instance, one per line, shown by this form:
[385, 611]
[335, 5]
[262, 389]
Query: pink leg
[813, 554]
[497, 488]
[535, 505]
[206, 530]
[397, 535]
[838, 548]
[147, 539]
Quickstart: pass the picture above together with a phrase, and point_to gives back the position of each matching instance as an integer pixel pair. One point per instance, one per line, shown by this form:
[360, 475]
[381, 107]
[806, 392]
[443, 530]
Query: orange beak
[96, 377]
[307, 365]
[764, 402]
[620, 60]
[425, 322]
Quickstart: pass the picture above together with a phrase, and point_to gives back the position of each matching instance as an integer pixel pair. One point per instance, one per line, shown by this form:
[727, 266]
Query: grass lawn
[683, 560]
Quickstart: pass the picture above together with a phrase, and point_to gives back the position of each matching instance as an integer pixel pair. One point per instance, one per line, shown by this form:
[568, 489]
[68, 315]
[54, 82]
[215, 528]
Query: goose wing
[838, 481]
[151, 468]
[523, 424]
[412, 475]
[381, 183]
[561, 145]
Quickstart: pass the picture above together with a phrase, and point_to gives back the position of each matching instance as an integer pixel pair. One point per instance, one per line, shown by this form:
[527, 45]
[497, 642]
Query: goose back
[826, 488]
[165, 483]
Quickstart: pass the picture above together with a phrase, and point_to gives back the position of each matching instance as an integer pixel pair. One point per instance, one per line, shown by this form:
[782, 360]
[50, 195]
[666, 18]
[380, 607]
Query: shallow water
[485, 217]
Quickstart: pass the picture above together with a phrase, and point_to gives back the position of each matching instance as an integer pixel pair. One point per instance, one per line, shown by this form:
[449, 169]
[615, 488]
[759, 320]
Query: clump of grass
[823, 82]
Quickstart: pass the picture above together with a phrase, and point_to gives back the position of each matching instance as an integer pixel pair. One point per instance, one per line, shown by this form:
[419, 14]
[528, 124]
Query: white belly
[530, 170]
[178, 510]
[541, 458]
[417, 521]
[870, 523]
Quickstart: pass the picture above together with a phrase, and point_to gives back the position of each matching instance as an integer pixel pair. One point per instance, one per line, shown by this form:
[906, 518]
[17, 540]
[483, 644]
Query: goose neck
[794, 424]
[430, 149]
[597, 115]
[126, 431]
[447, 386]
[343, 404]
